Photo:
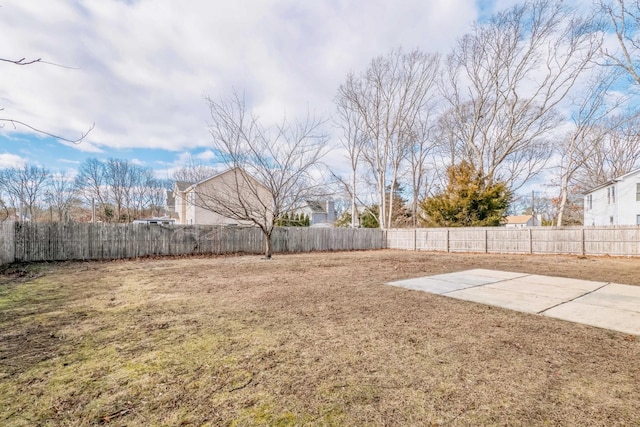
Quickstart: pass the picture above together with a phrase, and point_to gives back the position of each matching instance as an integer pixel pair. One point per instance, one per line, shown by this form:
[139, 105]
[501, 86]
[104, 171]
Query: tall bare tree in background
[274, 168]
[623, 18]
[61, 195]
[193, 171]
[26, 187]
[504, 81]
[352, 139]
[91, 183]
[591, 110]
[390, 97]
[615, 153]
[422, 171]
[121, 189]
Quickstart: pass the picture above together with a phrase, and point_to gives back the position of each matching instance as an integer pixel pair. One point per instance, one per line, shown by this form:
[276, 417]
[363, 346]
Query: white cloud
[11, 160]
[206, 156]
[145, 66]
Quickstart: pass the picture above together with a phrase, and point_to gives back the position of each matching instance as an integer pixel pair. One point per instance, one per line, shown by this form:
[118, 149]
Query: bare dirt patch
[312, 339]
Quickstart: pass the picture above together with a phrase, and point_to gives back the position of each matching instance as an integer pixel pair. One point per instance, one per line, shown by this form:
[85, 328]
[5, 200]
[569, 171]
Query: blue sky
[140, 68]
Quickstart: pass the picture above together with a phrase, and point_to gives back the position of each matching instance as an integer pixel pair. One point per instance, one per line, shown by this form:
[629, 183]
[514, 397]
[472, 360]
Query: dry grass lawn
[312, 339]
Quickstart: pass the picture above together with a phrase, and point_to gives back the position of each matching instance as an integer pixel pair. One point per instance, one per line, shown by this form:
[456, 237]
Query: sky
[139, 70]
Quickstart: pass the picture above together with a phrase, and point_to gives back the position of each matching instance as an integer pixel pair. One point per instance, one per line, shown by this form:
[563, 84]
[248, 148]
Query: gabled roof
[192, 186]
[315, 206]
[183, 185]
[518, 219]
[614, 180]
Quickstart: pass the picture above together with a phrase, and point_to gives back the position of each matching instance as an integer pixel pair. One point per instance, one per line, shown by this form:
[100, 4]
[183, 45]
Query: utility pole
[533, 203]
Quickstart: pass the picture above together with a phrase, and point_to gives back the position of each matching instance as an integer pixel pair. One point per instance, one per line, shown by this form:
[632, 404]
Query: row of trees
[113, 190]
[531, 86]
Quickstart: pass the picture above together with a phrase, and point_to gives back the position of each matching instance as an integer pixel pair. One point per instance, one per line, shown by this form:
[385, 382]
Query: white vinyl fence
[621, 241]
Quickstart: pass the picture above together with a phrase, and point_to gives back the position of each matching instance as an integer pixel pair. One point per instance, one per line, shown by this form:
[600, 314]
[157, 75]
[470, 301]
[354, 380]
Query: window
[613, 194]
[638, 192]
[589, 202]
[611, 220]
[638, 219]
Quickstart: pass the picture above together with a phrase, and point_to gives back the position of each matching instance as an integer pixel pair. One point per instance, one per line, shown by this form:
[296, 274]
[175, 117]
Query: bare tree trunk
[354, 208]
[268, 249]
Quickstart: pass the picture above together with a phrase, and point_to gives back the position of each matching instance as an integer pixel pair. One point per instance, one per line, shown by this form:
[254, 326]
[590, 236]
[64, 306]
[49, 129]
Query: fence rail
[75, 241]
[620, 241]
[29, 242]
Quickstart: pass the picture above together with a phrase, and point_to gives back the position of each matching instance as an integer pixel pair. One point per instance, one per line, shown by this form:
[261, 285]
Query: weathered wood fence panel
[60, 241]
[7, 242]
[75, 241]
[622, 241]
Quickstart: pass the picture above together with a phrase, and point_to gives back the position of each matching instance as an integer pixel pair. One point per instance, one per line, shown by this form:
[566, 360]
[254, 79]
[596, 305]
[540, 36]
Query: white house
[616, 202]
[214, 200]
[320, 213]
[520, 221]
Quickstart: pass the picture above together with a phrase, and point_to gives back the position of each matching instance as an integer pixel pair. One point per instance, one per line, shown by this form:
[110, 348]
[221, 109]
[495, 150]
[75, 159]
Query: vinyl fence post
[448, 245]
[486, 241]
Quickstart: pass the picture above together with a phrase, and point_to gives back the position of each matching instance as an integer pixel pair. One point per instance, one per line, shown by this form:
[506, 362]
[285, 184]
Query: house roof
[518, 219]
[192, 186]
[614, 180]
[315, 206]
[183, 185]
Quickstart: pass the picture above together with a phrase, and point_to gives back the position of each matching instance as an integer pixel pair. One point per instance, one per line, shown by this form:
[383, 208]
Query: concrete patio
[602, 304]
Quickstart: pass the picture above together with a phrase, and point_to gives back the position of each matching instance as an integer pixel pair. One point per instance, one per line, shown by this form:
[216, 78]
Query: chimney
[331, 211]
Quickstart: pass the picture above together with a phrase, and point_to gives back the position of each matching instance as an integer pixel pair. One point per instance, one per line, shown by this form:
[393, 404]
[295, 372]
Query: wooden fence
[75, 241]
[59, 241]
[621, 241]
[7, 242]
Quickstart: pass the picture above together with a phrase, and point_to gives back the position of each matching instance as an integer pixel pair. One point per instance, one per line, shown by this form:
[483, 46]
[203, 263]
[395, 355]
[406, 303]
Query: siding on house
[203, 203]
[616, 202]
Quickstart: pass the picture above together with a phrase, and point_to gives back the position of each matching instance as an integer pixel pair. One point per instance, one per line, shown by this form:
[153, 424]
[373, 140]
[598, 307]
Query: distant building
[520, 221]
[193, 202]
[320, 213]
[616, 202]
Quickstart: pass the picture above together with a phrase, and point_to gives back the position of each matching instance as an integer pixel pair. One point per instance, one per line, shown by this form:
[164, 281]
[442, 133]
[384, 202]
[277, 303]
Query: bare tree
[591, 107]
[26, 187]
[194, 171]
[623, 18]
[61, 195]
[122, 189]
[353, 140]
[390, 97]
[504, 81]
[272, 170]
[91, 182]
[422, 171]
[615, 153]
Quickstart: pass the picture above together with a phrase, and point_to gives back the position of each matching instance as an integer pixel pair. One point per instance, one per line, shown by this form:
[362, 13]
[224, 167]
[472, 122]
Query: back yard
[312, 339]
